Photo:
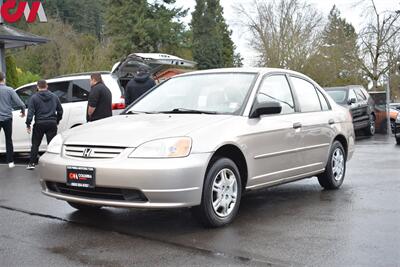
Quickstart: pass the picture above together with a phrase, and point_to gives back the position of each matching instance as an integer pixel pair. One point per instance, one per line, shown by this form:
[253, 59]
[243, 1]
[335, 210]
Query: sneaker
[31, 166]
[11, 165]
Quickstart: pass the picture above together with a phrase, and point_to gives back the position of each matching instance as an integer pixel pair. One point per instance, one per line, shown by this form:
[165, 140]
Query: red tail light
[120, 105]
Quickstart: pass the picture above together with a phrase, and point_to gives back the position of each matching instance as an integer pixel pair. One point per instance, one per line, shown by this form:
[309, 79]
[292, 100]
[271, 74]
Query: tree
[379, 40]
[137, 26]
[11, 74]
[336, 61]
[212, 43]
[285, 33]
[84, 16]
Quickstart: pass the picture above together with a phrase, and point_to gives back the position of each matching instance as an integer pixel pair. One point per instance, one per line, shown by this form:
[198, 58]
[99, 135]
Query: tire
[83, 207]
[398, 141]
[371, 129]
[333, 176]
[222, 187]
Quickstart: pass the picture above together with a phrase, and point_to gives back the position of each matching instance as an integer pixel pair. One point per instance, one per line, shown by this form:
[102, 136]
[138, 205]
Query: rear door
[363, 104]
[356, 109]
[78, 102]
[314, 125]
[62, 90]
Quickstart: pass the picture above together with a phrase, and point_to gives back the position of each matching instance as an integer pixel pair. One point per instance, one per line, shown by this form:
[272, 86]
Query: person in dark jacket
[100, 99]
[138, 86]
[47, 110]
[8, 100]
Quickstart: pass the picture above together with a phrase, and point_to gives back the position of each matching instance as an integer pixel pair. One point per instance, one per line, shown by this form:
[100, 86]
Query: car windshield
[220, 93]
[340, 96]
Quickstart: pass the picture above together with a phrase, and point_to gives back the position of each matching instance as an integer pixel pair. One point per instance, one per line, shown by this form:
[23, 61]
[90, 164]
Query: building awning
[14, 38]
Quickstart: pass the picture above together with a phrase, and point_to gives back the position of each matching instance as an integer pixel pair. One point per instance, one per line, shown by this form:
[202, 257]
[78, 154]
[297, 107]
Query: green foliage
[67, 52]
[25, 77]
[85, 16]
[336, 60]
[208, 40]
[11, 74]
[137, 26]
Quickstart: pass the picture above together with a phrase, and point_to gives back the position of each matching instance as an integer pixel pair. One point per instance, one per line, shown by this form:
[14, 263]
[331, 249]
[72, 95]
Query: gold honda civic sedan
[200, 140]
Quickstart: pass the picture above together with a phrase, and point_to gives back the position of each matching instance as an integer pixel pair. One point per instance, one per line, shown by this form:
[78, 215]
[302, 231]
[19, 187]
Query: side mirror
[352, 101]
[265, 108]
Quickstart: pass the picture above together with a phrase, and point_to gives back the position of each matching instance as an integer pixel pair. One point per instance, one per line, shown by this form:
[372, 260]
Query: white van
[73, 91]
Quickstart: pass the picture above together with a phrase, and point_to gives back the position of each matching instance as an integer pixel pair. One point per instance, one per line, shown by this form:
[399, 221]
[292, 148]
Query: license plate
[81, 177]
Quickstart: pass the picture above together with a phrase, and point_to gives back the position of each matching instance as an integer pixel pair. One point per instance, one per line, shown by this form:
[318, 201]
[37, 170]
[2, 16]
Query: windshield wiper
[188, 111]
[136, 112]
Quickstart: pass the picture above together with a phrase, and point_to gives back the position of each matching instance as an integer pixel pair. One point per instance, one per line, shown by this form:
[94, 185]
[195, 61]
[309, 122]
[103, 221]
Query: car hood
[134, 130]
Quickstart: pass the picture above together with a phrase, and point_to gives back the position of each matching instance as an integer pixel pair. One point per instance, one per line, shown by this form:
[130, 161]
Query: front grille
[98, 193]
[92, 152]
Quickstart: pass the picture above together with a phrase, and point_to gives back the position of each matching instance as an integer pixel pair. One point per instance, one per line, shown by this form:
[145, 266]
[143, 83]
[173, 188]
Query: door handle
[331, 122]
[297, 125]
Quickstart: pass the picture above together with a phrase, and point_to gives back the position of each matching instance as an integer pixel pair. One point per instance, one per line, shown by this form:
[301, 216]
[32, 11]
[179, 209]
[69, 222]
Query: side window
[61, 90]
[360, 94]
[276, 89]
[324, 102]
[26, 93]
[80, 90]
[307, 95]
[352, 94]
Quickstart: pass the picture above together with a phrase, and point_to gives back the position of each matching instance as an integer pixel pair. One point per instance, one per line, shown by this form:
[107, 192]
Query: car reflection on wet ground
[290, 225]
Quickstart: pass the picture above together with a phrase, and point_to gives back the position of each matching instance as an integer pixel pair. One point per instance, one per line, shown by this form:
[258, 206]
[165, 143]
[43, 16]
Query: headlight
[55, 145]
[164, 148]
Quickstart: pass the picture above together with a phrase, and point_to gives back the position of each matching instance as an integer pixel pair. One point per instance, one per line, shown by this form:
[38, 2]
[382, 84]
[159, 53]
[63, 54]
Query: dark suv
[360, 104]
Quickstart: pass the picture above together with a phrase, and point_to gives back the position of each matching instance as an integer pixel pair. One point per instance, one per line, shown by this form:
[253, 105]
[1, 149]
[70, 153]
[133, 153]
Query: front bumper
[165, 183]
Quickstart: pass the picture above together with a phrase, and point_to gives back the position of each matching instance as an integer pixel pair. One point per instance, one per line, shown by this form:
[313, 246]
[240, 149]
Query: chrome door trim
[300, 149]
[287, 170]
[285, 180]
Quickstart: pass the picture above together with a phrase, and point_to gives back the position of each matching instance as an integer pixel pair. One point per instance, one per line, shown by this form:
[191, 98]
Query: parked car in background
[200, 140]
[396, 129]
[73, 92]
[359, 102]
[395, 106]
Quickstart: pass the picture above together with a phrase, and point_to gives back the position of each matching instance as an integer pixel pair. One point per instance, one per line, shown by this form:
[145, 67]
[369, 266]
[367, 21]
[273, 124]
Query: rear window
[340, 96]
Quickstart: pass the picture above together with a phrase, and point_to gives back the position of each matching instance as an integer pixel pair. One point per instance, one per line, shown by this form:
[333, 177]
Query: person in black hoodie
[138, 86]
[47, 110]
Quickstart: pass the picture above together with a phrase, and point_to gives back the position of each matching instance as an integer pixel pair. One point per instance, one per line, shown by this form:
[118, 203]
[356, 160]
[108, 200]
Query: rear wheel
[221, 194]
[398, 141]
[84, 207]
[370, 130]
[335, 169]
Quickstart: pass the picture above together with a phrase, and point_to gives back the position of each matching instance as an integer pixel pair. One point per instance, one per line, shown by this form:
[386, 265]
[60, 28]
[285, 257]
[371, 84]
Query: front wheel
[221, 194]
[335, 169]
[84, 207]
[398, 141]
[370, 130]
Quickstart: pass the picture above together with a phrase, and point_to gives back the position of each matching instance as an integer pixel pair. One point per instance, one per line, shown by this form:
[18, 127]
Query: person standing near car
[100, 99]
[47, 110]
[140, 85]
[8, 100]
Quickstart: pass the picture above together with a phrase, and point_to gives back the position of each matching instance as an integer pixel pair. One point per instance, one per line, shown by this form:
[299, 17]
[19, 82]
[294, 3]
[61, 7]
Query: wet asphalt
[297, 224]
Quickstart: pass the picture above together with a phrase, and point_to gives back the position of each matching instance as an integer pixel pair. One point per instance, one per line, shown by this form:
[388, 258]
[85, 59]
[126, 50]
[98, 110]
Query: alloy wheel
[338, 164]
[224, 193]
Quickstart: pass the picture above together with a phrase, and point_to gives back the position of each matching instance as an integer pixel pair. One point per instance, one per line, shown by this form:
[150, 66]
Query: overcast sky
[240, 36]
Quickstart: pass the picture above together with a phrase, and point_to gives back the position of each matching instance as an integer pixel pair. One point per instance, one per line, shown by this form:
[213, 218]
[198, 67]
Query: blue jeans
[7, 128]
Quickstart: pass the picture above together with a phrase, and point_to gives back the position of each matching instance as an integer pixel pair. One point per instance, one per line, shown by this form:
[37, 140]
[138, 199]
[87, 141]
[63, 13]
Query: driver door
[274, 139]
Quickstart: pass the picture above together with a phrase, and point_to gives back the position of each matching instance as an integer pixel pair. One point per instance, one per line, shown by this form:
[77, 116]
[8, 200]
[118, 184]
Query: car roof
[64, 78]
[261, 71]
[344, 87]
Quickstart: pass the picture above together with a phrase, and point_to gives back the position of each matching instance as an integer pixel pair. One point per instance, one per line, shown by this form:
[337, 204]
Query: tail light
[120, 104]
